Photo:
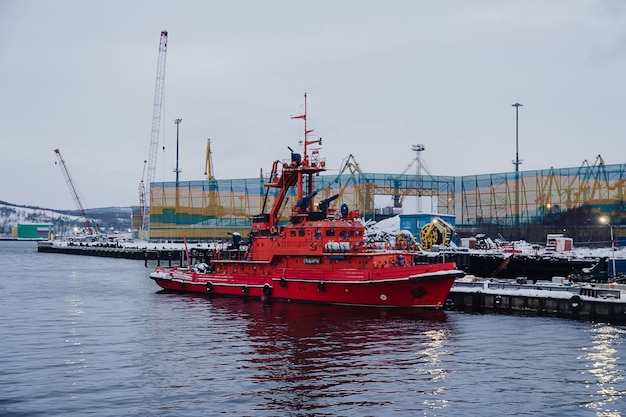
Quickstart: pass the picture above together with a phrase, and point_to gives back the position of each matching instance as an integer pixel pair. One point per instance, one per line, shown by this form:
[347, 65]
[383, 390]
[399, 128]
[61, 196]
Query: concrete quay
[108, 250]
[596, 302]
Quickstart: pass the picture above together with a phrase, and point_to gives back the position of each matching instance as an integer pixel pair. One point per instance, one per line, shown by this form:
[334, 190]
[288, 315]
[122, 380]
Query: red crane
[72, 187]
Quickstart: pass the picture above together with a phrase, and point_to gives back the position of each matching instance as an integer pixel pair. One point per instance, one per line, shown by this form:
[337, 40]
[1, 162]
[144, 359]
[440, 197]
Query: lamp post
[420, 186]
[176, 170]
[517, 163]
[605, 220]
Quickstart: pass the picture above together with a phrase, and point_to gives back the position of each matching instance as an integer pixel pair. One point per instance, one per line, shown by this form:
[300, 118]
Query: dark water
[84, 336]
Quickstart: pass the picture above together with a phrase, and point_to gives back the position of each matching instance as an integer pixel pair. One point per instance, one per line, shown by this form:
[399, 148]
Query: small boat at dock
[320, 255]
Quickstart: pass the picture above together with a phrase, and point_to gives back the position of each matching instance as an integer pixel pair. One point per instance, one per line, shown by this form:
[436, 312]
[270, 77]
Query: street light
[517, 163]
[605, 220]
[176, 170]
[420, 186]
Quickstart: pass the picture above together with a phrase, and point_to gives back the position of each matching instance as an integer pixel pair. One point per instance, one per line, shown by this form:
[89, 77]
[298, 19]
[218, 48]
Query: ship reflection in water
[311, 354]
[307, 358]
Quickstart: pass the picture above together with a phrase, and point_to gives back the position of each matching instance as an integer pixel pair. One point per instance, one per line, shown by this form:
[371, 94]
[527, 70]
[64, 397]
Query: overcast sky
[380, 77]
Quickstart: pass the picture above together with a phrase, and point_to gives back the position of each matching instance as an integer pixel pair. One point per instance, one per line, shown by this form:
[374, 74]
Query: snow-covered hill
[117, 218]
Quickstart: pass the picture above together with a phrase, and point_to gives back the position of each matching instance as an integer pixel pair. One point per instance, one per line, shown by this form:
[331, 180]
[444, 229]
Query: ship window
[342, 234]
[293, 233]
[358, 233]
[301, 232]
[330, 232]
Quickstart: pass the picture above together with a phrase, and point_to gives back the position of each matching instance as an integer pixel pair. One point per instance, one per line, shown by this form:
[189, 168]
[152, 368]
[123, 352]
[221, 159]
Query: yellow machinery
[437, 232]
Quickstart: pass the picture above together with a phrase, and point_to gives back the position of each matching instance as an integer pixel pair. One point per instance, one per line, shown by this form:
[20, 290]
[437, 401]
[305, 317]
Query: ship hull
[426, 287]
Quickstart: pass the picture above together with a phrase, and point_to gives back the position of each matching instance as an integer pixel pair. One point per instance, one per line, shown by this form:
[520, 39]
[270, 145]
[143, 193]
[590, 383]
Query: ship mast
[292, 175]
[306, 161]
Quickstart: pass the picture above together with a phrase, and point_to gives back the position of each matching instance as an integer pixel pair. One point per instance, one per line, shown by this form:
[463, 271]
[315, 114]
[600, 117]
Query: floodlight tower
[517, 162]
[418, 159]
[177, 170]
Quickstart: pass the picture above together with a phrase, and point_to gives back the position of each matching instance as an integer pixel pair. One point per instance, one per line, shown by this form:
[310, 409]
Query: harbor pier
[152, 256]
[601, 302]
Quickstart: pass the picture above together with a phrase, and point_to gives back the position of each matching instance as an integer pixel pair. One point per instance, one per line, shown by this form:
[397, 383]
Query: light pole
[605, 220]
[176, 170]
[420, 186]
[517, 163]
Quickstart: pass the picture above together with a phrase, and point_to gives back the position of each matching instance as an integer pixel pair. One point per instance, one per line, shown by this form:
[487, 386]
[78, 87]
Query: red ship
[320, 255]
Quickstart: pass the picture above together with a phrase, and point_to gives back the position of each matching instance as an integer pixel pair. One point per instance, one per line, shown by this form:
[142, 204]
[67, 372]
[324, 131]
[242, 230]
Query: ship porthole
[283, 282]
[209, 287]
[320, 286]
[244, 290]
[267, 290]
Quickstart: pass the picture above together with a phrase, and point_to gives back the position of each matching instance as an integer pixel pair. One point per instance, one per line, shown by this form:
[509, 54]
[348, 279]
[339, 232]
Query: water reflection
[434, 348]
[74, 356]
[603, 363]
[306, 357]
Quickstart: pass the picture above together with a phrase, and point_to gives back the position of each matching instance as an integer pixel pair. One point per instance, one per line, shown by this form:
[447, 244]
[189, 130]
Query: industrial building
[525, 204]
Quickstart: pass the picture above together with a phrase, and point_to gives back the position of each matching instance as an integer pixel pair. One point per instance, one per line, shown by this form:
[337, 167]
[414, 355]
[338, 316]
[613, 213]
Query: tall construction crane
[208, 166]
[212, 206]
[74, 192]
[159, 88]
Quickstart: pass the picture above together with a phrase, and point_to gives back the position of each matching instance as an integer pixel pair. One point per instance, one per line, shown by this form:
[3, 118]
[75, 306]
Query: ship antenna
[307, 131]
[305, 167]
